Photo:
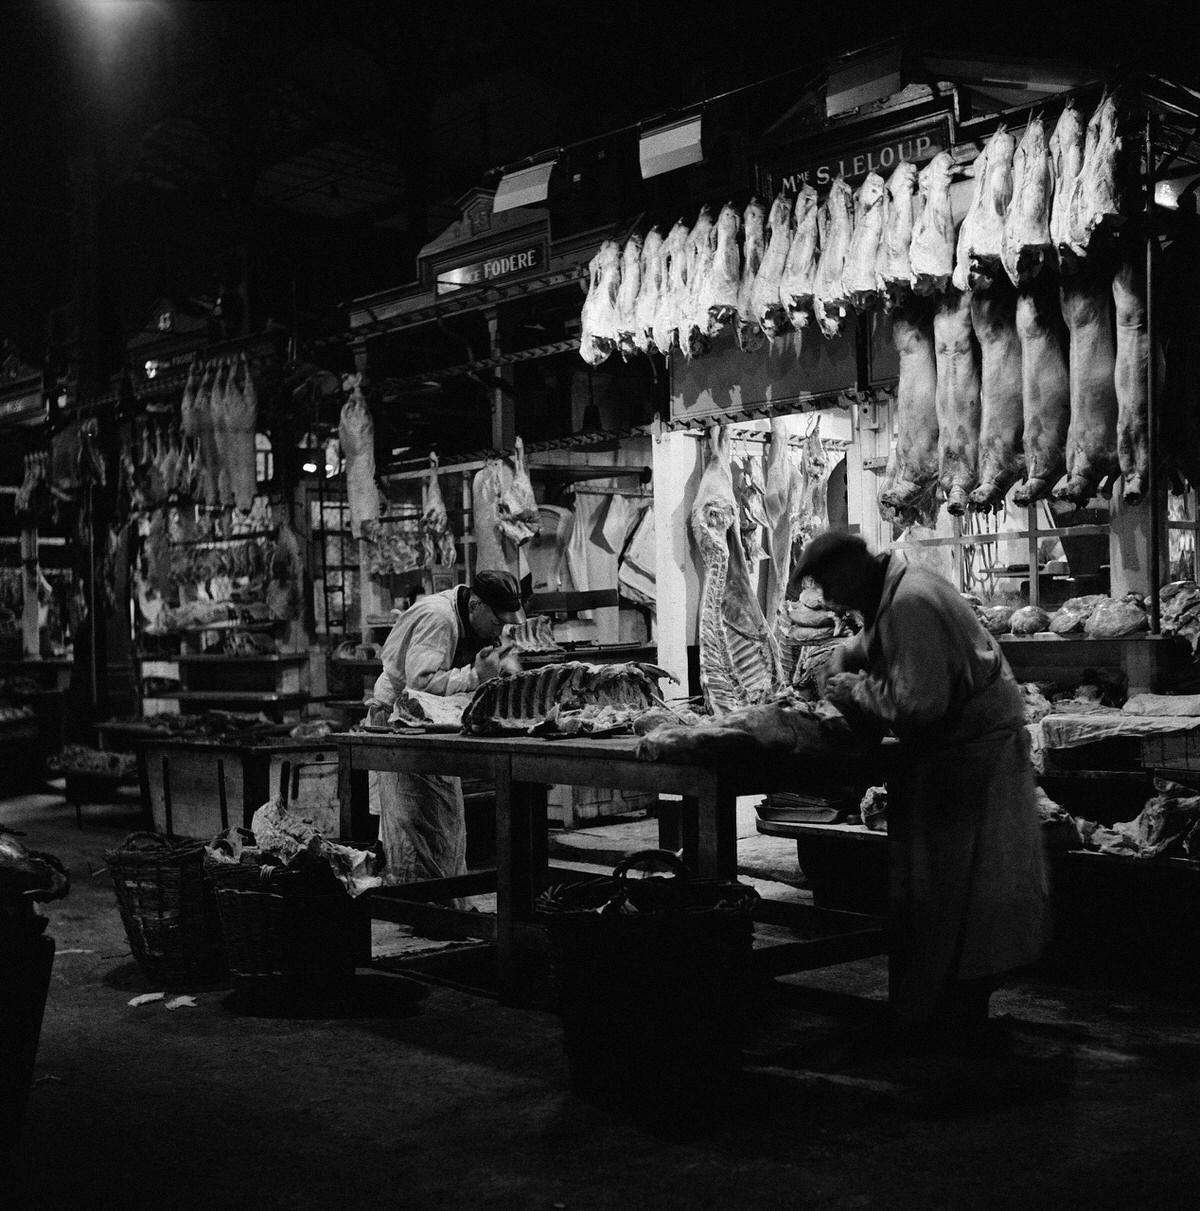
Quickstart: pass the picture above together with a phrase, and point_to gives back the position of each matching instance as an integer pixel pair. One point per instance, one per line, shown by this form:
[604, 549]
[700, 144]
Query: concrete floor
[420, 1097]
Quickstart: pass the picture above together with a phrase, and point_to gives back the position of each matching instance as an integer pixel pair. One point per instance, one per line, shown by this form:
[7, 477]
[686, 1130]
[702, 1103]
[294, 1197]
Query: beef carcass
[750, 491]
[754, 245]
[894, 264]
[765, 303]
[1087, 307]
[1095, 195]
[1045, 388]
[981, 235]
[914, 473]
[739, 655]
[780, 502]
[1129, 381]
[356, 432]
[627, 296]
[674, 289]
[1001, 454]
[437, 538]
[242, 450]
[1066, 158]
[517, 511]
[650, 293]
[1027, 245]
[860, 277]
[519, 701]
[931, 252]
[532, 637]
[598, 319]
[725, 282]
[700, 252]
[800, 269]
[958, 408]
[836, 230]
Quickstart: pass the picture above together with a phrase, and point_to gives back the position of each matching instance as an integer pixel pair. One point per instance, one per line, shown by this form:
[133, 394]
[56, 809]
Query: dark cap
[499, 590]
[828, 548]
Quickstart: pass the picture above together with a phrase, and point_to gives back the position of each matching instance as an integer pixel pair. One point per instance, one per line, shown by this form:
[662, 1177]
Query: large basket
[168, 910]
[287, 932]
[650, 977]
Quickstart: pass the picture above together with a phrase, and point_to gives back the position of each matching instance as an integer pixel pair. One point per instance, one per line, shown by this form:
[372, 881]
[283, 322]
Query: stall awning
[523, 187]
[670, 147]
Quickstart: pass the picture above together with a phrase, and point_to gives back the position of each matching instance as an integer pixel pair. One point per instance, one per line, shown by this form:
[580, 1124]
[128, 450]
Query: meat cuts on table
[1066, 157]
[1027, 243]
[958, 385]
[764, 296]
[860, 277]
[627, 296]
[831, 303]
[1001, 454]
[1094, 194]
[754, 247]
[1045, 388]
[800, 269]
[674, 289]
[650, 292]
[1087, 307]
[1129, 378]
[981, 235]
[356, 432]
[894, 264]
[598, 319]
[931, 252]
[739, 655]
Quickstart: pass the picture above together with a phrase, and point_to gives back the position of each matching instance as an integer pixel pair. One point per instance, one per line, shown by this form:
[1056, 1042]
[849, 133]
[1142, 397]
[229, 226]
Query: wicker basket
[649, 976]
[168, 910]
[288, 932]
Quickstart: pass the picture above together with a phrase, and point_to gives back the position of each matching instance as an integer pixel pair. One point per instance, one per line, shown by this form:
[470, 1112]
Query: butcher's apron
[422, 821]
[968, 885]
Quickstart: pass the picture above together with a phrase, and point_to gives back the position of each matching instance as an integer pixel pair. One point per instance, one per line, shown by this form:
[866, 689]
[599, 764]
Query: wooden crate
[570, 806]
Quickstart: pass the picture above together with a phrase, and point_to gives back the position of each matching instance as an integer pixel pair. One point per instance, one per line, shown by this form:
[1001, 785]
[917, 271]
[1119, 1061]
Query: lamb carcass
[860, 278]
[356, 432]
[1027, 244]
[754, 245]
[189, 419]
[209, 458]
[725, 282]
[1001, 455]
[1045, 388]
[764, 296]
[225, 400]
[650, 293]
[598, 319]
[739, 655]
[242, 421]
[627, 296]
[701, 252]
[674, 289]
[437, 538]
[517, 510]
[1087, 307]
[894, 264]
[780, 502]
[836, 223]
[931, 253]
[1066, 157]
[491, 551]
[1129, 381]
[915, 469]
[800, 269]
[958, 406]
[981, 235]
[1094, 195]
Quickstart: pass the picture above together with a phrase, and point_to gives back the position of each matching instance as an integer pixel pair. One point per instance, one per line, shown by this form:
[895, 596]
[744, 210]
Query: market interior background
[258, 166]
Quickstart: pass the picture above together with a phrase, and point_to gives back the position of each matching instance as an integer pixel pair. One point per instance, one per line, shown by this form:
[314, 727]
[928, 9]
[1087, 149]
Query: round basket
[650, 977]
[168, 910]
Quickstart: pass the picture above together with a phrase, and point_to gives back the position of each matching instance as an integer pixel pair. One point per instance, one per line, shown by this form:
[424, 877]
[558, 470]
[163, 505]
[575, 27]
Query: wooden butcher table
[522, 768]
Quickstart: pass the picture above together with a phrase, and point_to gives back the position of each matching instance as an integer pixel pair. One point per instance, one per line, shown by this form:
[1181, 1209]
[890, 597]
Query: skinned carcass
[1001, 454]
[800, 269]
[1095, 193]
[1027, 244]
[356, 432]
[491, 551]
[1045, 389]
[860, 278]
[981, 235]
[627, 296]
[517, 511]
[242, 421]
[754, 246]
[674, 289]
[650, 292]
[209, 459]
[437, 537]
[701, 254]
[931, 252]
[812, 506]
[1066, 157]
[893, 266]
[913, 473]
[958, 407]
[780, 502]
[598, 319]
[725, 282]
[766, 306]
[749, 490]
[1087, 307]
[1129, 379]
[831, 303]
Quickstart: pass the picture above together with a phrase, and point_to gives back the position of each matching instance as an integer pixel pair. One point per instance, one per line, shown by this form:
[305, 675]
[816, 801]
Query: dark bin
[26, 958]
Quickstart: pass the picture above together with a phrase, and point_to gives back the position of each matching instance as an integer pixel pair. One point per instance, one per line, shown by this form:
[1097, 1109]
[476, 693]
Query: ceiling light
[524, 187]
[670, 147]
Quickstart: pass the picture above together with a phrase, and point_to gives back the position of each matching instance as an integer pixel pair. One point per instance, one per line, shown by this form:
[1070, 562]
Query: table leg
[539, 836]
[716, 821]
[688, 832]
[669, 835]
[345, 795]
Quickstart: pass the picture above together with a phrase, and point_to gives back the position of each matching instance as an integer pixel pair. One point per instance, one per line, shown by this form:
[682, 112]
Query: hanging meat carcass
[1027, 244]
[1066, 158]
[517, 513]
[764, 295]
[598, 319]
[913, 476]
[1087, 307]
[749, 490]
[1095, 195]
[285, 587]
[674, 289]
[701, 252]
[780, 502]
[226, 401]
[812, 511]
[437, 538]
[243, 449]
[754, 245]
[726, 280]
[836, 230]
[356, 432]
[650, 293]
[931, 253]
[800, 269]
[209, 458]
[1001, 454]
[739, 655]
[627, 296]
[981, 235]
[958, 408]
[894, 264]
[486, 491]
[1045, 388]
[860, 278]
[1129, 380]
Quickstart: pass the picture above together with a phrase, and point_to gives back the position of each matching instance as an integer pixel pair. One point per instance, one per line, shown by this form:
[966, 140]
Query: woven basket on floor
[167, 908]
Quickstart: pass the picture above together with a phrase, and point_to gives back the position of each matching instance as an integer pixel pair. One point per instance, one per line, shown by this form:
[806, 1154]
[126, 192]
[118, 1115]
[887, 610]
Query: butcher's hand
[839, 689]
[378, 713]
[510, 662]
[487, 664]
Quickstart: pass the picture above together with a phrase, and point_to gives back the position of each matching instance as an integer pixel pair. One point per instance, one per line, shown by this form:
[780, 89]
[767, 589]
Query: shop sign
[853, 163]
[497, 267]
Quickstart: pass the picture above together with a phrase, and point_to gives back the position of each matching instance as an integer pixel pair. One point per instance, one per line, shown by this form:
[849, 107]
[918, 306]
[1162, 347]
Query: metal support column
[1158, 503]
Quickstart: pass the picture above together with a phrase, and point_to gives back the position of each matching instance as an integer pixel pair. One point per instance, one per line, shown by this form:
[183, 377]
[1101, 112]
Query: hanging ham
[765, 305]
[860, 278]
[598, 319]
[356, 432]
[627, 296]
[836, 223]
[1129, 380]
[1001, 455]
[931, 253]
[800, 268]
[674, 289]
[754, 245]
[1045, 388]
[894, 264]
[1027, 245]
[958, 375]
[913, 473]
[650, 293]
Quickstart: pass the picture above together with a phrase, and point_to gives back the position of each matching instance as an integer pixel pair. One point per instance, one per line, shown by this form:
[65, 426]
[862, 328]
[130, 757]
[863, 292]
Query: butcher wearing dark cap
[444, 643]
[969, 894]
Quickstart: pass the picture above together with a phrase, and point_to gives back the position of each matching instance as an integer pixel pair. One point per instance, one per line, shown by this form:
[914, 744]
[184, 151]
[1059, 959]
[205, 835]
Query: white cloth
[636, 575]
